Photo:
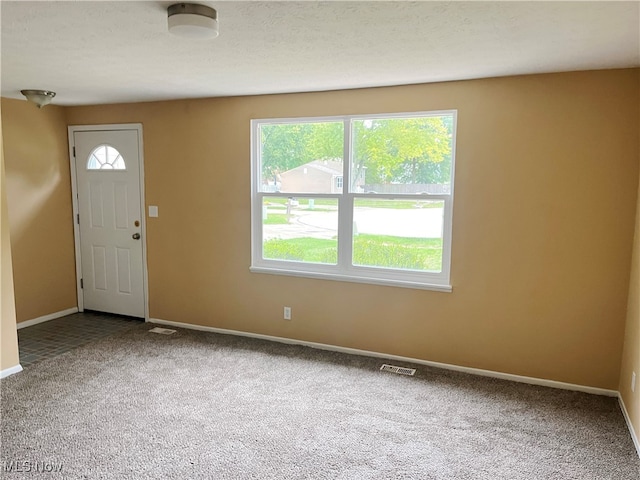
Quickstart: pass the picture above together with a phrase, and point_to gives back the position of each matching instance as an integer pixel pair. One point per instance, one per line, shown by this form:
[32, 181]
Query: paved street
[419, 223]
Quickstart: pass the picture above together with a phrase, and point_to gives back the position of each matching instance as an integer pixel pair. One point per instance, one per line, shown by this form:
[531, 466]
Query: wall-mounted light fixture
[191, 20]
[39, 97]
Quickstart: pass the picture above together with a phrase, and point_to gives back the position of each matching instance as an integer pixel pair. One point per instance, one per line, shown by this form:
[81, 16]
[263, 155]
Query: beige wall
[8, 334]
[547, 175]
[40, 213]
[631, 351]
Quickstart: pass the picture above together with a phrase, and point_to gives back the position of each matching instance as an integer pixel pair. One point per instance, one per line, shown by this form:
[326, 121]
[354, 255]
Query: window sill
[353, 279]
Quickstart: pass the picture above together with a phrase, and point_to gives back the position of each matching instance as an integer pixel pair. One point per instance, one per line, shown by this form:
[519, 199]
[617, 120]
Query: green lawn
[303, 202]
[314, 250]
[368, 250]
[330, 204]
[397, 204]
[276, 219]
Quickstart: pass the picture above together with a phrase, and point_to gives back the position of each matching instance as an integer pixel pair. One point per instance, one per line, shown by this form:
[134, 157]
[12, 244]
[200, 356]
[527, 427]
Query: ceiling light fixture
[39, 97]
[191, 20]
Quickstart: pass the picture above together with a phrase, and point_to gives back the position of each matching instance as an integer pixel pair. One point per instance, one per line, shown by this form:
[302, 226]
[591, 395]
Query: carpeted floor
[198, 405]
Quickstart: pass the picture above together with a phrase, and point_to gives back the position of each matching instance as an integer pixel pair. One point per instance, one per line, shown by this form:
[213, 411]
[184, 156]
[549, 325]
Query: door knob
[136, 236]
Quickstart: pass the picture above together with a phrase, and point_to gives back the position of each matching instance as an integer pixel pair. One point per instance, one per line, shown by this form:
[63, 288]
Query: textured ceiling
[105, 52]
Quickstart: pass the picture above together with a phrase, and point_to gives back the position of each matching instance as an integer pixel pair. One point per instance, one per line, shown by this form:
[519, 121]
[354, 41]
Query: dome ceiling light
[39, 97]
[191, 20]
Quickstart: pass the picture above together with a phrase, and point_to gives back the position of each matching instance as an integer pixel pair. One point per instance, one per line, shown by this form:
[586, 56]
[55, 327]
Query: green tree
[289, 145]
[403, 150]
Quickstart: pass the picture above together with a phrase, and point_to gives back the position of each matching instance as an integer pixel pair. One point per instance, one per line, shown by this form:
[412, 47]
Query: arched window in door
[105, 157]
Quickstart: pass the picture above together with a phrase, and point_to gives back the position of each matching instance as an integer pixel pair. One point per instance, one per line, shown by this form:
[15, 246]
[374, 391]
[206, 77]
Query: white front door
[107, 165]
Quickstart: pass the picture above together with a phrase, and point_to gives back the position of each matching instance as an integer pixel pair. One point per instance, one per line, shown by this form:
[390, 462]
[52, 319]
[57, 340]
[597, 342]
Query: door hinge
[74, 152]
[82, 283]
[78, 218]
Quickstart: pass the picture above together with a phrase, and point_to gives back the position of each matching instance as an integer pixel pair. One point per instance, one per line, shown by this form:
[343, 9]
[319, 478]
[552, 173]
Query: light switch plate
[153, 211]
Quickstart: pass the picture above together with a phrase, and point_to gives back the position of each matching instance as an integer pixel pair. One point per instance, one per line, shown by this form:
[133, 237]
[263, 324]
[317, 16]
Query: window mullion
[345, 210]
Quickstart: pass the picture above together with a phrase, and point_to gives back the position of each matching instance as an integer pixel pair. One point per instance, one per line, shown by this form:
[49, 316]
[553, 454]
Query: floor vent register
[162, 331]
[399, 370]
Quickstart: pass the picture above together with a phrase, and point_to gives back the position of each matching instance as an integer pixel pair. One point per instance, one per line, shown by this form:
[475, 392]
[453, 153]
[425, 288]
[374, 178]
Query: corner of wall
[38, 190]
[9, 358]
[630, 364]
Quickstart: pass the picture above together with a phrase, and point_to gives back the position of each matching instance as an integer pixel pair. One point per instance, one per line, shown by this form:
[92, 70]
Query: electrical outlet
[633, 381]
[287, 313]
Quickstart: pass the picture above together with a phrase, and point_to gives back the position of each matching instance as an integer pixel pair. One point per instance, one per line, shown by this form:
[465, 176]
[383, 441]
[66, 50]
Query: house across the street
[318, 176]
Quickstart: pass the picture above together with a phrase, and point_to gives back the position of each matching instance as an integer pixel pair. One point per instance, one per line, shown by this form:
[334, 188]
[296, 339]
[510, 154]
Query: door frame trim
[72, 129]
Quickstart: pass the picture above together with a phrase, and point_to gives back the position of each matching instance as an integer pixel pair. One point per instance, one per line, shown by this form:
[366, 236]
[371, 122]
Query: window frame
[344, 270]
[106, 146]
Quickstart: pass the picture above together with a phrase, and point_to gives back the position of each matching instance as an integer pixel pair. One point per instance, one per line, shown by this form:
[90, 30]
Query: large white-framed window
[388, 218]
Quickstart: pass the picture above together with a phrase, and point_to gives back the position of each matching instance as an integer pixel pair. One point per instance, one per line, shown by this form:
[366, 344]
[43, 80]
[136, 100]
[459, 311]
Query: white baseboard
[10, 371]
[625, 413]
[46, 318]
[366, 353]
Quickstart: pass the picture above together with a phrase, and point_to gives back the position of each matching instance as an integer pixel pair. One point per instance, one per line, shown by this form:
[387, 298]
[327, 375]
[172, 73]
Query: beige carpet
[204, 406]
